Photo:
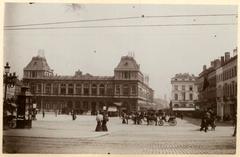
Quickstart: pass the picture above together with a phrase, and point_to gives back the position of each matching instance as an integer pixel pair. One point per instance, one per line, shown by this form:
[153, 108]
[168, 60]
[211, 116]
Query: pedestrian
[43, 114]
[181, 115]
[99, 119]
[104, 122]
[123, 118]
[73, 115]
[204, 122]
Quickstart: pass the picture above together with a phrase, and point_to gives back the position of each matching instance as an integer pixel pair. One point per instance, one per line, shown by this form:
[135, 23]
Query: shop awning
[183, 109]
[118, 103]
[112, 109]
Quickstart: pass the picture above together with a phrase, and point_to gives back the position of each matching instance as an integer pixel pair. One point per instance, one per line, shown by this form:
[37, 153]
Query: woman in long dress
[104, 122]
[99, 119]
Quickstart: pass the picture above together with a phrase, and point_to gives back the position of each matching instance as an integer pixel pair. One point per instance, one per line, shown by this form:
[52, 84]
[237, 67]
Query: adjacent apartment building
[184, 93]
[217, 86]
[126, 91]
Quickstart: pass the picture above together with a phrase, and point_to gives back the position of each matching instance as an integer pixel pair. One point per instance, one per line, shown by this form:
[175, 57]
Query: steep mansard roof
[128, 63]
[38, 63]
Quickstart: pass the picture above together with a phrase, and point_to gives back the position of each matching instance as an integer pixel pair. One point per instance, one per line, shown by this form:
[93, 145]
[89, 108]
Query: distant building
[184, 92]
[160, 104]
[85, 93]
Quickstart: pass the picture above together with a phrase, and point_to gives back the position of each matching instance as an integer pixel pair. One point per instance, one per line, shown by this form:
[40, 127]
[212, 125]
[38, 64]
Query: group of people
[102, 119]
[149, 116]
[208, 119]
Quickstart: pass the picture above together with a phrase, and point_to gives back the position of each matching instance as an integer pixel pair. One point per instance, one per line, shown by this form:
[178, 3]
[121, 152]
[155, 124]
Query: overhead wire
[118, 18]
[122, 26]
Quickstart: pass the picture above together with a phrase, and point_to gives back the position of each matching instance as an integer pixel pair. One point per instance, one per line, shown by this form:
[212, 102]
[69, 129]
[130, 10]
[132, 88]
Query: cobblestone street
[62, 135]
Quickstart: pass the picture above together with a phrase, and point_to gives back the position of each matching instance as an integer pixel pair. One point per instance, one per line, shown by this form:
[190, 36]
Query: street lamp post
[9, 80]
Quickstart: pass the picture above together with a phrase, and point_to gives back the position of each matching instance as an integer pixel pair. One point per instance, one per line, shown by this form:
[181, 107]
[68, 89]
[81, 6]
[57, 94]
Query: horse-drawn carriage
[151, 117]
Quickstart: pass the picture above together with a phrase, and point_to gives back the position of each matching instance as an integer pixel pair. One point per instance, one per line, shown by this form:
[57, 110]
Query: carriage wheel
[160, 123]
[173, 123]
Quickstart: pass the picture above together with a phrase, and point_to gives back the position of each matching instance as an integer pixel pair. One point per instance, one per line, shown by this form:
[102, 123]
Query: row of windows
[230, 89]
[183, 96]
[84, 89]
[230, 73]
[190, 87]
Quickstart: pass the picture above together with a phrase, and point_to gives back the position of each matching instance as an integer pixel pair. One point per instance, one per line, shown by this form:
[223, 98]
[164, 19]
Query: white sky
[161, 51]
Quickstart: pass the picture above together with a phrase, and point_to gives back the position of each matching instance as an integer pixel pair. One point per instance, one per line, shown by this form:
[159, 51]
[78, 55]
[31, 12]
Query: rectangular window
[176, 96]
[191, 96]
[63, 89]
[183, 87]
[48, 88]
[191, 88]
[33, 88]
[175, 87]
[55, 88]
[78, 89]
[117, 89]
[39, 88]
[134, 90]
[183, 96]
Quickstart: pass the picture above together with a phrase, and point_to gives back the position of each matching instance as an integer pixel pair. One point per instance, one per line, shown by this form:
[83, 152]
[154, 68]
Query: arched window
[109, 89]
[86, 89]
[70, 88]
[63, 88]
[94, 89]
[101, 89]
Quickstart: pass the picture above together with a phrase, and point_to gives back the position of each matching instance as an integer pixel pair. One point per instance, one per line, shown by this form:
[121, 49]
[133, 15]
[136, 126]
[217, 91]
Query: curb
[57, 137]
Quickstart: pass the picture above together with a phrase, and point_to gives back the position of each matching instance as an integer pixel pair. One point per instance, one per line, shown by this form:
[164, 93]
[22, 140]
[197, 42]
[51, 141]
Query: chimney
[212, 63]
[204, 67]
[227, 56]
[222, 60]
[217, 63]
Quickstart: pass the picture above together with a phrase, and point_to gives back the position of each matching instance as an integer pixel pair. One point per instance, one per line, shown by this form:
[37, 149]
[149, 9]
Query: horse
[152, 118]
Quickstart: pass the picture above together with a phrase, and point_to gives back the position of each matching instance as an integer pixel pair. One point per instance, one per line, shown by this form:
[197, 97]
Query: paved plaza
[62, 135]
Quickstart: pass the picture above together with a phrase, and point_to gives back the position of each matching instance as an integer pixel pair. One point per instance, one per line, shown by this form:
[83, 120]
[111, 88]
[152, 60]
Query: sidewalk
[197, 122]
[61, 126]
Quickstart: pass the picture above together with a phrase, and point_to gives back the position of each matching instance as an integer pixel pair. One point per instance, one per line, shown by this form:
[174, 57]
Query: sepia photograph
[134, 78]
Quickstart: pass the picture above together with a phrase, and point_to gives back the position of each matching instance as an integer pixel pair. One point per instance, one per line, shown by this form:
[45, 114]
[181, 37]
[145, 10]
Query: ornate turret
[38, 67]
[128, 69]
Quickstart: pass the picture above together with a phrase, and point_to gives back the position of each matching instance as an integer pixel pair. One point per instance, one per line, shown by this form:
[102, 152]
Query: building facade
[227, 86]
[85, 93]
[184, 92]
[218, 86]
